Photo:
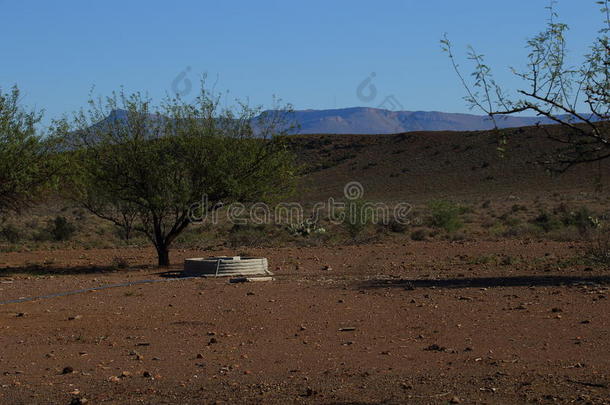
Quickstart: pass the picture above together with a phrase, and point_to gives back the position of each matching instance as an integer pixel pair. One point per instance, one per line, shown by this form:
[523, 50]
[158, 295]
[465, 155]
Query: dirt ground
[420, 323]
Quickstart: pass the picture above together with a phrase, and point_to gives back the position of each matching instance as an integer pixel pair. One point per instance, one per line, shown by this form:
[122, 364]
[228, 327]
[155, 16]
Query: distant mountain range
[364, 120]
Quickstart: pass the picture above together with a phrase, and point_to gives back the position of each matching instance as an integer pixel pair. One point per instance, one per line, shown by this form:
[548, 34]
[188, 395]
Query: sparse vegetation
[357, 218]
[11, 233]
[445, 215]
[419, 235]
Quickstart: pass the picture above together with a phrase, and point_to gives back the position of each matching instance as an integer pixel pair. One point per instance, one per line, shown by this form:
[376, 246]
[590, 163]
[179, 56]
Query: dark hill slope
[418, 166]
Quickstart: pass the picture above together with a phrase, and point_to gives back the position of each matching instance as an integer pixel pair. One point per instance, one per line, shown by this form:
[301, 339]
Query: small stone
[67, 370]
[435, 348]
[75, 317]
[199, 356]
[212, 341]
[455, 400]
[20, 315]
[309, 392]
[327, 268]
[146, 374]
[79, 401]
[125, 374]
[114, 379]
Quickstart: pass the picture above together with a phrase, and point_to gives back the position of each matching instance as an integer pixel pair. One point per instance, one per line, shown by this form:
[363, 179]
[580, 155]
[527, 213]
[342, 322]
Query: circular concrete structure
[226, 266]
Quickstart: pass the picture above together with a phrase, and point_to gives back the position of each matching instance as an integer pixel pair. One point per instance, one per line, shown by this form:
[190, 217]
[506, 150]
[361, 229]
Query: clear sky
[313, 53]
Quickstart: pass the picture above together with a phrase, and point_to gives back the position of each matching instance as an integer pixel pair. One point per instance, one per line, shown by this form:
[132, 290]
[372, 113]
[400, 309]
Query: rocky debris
[455, 400]
[75, 317]
[347, 329]
[79, 401]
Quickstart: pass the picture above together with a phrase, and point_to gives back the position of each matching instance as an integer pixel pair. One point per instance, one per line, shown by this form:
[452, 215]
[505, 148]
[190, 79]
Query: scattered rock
[455, 400]
[79, 401]
[67, 370]
[199, 356]
[309, 392]
[146, 374]
[435, 348]
[347, 329]
[75, 317]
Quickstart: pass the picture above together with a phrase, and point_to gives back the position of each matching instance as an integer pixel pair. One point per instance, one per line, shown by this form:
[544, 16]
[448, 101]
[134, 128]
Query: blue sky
[313, 54]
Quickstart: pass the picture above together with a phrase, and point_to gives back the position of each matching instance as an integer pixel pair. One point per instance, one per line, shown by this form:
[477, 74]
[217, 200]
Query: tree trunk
[163, 254]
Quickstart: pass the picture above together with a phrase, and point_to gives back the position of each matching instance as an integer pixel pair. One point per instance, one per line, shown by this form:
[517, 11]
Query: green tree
[155, 163]
[28, 163]
[553, 89]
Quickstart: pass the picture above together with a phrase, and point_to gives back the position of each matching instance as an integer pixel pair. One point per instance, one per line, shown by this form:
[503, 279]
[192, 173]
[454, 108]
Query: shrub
[119, 263]
[598, 249]
[11, 233]
[305, 228]
[251, 235]
[583, 219]
[547, 222]
[445, 215]
[357, 218]
[397, 227]
[60, 229]
[419, 235]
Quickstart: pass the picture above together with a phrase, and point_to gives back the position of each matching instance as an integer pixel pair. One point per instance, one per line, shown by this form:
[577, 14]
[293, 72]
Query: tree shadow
[38, 270]
[172, 273]
[488, 282]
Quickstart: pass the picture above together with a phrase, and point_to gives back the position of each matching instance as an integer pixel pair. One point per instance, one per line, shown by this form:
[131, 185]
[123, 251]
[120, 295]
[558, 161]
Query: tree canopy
[143, 167]
[28, 164]
[553, 89]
